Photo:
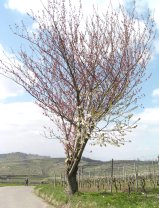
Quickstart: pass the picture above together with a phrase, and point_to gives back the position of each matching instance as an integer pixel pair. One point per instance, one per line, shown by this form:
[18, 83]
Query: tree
[85, 73]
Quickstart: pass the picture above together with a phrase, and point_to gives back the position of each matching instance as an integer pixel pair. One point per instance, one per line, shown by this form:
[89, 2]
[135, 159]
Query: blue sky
[21, 121]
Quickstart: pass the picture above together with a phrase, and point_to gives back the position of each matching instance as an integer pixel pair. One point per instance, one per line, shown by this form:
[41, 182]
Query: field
[137, 186]
[114, 184]
[57, 197]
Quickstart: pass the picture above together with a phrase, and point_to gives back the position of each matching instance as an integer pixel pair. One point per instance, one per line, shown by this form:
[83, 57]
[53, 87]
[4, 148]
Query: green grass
[55, 196]
[119, 200]
[58, 198]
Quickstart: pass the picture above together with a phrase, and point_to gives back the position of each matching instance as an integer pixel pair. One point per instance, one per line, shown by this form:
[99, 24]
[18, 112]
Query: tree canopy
[85, 72]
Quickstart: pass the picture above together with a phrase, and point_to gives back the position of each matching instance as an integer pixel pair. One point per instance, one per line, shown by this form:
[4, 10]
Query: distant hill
[20, 156]
[29, 164]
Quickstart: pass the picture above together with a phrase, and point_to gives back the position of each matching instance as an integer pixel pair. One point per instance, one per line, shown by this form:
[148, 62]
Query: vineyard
[114, 177]
[113, 184]
[93, 175]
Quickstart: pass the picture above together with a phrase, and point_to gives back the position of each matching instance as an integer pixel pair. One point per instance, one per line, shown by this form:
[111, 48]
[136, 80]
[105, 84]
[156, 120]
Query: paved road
[20, 197]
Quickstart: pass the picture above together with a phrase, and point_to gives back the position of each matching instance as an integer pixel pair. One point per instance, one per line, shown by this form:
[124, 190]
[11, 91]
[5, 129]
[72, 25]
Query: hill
[29, 164]
[20, 156]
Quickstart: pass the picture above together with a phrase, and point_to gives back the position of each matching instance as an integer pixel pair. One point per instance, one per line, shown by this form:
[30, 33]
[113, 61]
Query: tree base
[72, 183]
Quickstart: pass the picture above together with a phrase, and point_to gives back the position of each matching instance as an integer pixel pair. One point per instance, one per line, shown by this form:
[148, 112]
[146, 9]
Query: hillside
[20, 156]
[29, 164]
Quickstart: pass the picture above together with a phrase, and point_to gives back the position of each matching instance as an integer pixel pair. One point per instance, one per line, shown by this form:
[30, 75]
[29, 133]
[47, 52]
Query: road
[20, 197]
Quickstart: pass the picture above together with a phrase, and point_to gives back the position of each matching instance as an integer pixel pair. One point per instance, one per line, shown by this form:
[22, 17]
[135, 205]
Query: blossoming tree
[84, 72]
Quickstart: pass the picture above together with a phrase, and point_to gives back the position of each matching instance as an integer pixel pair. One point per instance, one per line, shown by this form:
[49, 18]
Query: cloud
[150, 116]
[143, 5]
[21, 123]
[154, 7]
[21, 129]
[24, 6]
[9, 89]
[28, 5]
[155, 93]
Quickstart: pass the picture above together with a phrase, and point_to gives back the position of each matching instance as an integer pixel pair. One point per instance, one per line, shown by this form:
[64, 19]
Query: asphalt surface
[20, 197]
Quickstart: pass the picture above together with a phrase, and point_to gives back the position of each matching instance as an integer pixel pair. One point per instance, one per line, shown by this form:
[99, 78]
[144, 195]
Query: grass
[55, 196]
[58, 198]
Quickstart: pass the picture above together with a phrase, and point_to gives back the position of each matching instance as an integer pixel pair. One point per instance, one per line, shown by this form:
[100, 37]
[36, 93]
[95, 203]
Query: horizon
[83, 157]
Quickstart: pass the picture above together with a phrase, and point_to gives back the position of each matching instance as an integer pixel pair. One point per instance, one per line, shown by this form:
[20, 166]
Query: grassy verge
[58, 198]
[54, 196]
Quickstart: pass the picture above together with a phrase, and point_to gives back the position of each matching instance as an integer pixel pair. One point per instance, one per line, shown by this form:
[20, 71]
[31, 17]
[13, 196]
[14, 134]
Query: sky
[22, 122]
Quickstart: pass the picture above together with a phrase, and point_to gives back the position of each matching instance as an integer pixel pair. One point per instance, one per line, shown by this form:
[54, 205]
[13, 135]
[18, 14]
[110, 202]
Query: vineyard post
[94, 182]
[118, 171]
[54, 179]
[136, 176]
[124, 173]
[82, 173]
[112, 167]
[64, 177]
[89, 174]
[105, 173]
[154, 173]
[94, 172]
[61, 179]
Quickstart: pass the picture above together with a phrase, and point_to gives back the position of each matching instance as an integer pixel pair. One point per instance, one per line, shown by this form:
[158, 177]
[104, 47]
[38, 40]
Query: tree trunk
[72, 167]
[72, 182]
